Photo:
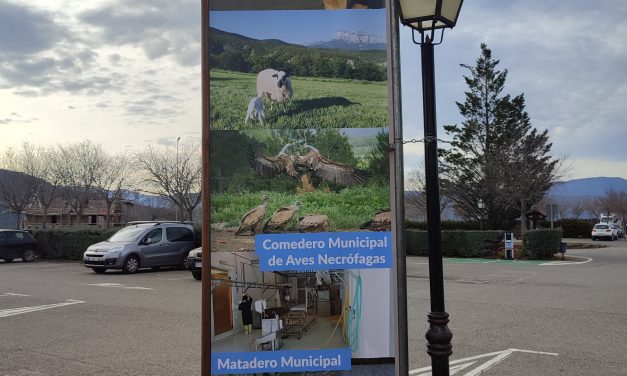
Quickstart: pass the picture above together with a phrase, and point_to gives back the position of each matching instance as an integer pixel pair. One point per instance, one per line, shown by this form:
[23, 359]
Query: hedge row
[445, 225]
[542, 244]
[571, 228]
[68, 244]
[457, 243]
[537, 244]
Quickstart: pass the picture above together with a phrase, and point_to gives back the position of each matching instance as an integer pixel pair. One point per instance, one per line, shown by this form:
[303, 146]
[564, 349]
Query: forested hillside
[242, 54]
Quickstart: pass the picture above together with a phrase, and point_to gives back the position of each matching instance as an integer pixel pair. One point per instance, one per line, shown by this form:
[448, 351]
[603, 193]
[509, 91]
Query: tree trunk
[523, 219]
[43, 219]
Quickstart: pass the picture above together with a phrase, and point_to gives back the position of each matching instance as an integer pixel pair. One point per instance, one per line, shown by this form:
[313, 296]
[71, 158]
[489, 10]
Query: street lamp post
[425, 16]
[480, 205]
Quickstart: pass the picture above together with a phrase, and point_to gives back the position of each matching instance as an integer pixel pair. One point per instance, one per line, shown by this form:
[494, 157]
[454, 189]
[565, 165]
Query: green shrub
[456, 243]
[571, 228]
[68, 244]
[445, 225]
[542, 244]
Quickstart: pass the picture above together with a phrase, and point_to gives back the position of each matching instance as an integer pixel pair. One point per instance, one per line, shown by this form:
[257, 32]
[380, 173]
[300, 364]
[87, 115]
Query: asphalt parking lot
[507, 318]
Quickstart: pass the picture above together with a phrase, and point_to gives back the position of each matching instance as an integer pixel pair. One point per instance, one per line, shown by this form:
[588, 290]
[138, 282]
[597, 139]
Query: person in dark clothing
[247, 314]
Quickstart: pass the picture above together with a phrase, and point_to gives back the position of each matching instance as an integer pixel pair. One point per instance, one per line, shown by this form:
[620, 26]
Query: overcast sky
[126, 73]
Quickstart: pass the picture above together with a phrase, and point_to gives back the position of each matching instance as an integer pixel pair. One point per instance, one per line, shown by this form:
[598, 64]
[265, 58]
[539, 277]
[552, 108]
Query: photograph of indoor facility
[299, 310]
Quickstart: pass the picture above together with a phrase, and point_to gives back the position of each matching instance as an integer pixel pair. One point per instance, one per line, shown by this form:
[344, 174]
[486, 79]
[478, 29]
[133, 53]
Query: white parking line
[585, 261]
[11, 294]
[22, 310]
[118, 285]
[460, 364]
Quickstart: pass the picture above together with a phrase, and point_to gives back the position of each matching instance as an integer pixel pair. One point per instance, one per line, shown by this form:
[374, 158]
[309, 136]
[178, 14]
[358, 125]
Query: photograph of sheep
[297, 180]
[294, 5]
[298, 69]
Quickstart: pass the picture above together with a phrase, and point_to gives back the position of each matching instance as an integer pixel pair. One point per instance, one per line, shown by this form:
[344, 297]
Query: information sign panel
[302, 247]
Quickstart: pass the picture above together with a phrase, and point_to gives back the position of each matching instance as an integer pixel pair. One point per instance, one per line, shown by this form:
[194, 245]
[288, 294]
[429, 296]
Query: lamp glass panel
[450, 9]
[427, 25]
[417, 8]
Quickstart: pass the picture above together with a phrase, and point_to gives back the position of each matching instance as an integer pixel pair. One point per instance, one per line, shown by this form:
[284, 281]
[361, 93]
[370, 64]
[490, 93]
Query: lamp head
[424, 15]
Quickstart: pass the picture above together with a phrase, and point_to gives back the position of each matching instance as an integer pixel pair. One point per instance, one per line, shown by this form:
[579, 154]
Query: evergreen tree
[496, 155]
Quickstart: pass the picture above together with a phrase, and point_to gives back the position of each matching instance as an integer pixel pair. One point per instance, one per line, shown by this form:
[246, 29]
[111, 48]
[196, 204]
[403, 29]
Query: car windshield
[127, 234]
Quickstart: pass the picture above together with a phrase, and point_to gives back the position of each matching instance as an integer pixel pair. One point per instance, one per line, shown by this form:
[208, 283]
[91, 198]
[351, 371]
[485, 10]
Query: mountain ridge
[593, 186]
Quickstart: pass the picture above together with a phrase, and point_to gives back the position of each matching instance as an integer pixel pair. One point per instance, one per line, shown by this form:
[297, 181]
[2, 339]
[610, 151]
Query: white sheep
[275, 85]
[255, 110]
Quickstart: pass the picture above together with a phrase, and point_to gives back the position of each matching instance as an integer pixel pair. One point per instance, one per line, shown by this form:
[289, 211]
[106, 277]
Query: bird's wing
[254, 215]
[263, 165]
[281, 215]
[338, 173]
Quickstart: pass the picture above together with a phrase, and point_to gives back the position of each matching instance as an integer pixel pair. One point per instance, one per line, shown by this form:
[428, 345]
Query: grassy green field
[317, 103]
[346, 210]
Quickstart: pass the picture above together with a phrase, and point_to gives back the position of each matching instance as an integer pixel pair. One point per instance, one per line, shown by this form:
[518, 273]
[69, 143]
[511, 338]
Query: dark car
[17, 244]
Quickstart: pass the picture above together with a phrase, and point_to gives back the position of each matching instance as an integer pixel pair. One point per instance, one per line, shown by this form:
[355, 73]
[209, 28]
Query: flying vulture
[253, 219]
[332, 171]
[313, 223]
[382, 221]
[269, 167]
[281, 217]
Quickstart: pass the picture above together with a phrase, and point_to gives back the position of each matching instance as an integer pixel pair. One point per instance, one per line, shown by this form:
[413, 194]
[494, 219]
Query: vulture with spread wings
[331, 171]
[269, 166]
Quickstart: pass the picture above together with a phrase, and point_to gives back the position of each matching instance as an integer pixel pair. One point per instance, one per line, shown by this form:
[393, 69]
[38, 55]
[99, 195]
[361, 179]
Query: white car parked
[604, 231]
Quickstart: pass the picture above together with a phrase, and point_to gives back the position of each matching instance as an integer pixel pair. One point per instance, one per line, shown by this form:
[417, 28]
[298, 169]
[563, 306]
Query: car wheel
[131, 265]
[99, 270]
[29, 255]
[8, 260]
[197, 274]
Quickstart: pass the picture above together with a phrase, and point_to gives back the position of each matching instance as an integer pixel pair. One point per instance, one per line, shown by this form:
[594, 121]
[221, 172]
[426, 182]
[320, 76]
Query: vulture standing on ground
[332, 171]
[313, 223]
[253, 219]
[269, 167]
[281, 217]
[382, 221]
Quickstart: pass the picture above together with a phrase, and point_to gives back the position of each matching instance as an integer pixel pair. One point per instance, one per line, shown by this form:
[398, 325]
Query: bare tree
[79, 165]
[43, 164]
[175, 175]
[418, 198]
[111, 180]
[17, 188]
[590, 204]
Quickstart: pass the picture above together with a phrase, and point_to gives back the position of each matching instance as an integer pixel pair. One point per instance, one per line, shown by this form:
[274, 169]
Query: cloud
[569, 65]
[15, 119]
[162, 28]
[25, 31]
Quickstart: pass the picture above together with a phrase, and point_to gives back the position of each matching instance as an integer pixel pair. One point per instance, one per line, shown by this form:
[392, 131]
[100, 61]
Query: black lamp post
[425, 17]
[481, 206]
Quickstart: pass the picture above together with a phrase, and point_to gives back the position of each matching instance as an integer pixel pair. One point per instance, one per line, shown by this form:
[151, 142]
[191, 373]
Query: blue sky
[299, 27]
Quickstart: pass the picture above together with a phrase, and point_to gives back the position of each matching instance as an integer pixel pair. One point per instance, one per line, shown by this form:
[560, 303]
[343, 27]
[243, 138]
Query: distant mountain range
[588, 187]
[353, 40]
